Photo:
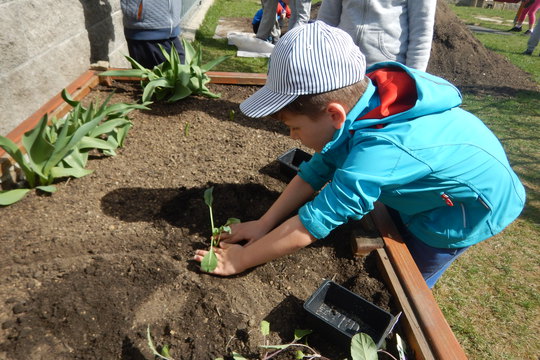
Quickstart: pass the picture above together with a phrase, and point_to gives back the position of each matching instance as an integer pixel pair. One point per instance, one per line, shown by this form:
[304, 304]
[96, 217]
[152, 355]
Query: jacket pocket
[457, 222]
[375, 44]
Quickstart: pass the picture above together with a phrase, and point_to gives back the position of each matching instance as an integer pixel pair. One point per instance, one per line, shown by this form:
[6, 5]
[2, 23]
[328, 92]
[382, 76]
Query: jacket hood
[381, 104]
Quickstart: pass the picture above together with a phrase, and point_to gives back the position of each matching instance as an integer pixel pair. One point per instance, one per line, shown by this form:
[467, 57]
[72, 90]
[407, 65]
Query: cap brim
[265, 102]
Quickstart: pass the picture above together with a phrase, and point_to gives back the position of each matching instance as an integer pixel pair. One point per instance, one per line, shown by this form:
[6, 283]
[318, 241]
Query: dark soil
[85, 271]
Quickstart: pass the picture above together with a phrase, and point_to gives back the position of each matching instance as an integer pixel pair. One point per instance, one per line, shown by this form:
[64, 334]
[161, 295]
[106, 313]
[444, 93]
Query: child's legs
[432, 262]
[532, 13]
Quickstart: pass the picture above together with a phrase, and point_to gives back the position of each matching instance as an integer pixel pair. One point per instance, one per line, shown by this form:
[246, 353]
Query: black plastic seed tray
[291, 160]
[340, 313]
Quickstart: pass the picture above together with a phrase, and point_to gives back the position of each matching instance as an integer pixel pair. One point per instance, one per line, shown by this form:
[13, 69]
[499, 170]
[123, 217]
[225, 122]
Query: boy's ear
[337, 113]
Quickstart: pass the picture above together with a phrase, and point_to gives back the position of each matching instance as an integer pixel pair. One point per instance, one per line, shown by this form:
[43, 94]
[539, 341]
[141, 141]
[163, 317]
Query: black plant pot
[340, 313]
[291, 160]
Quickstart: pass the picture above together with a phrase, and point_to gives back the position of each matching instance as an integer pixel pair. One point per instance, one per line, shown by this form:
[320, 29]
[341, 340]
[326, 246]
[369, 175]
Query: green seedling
[186, 129]
[362, 347]
[209, 262]
[164, 353]
[232, 113]
[172, 80]
[299, 347]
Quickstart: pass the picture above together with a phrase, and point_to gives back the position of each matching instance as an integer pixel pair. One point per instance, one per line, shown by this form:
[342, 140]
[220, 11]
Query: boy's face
[314, 133]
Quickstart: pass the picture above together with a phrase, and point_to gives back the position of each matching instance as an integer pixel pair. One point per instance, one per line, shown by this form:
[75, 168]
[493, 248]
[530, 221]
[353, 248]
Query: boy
[396, 136]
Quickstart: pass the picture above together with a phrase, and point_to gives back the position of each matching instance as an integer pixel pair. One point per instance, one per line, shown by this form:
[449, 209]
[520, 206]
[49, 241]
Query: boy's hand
[250, 231]
[229, 259]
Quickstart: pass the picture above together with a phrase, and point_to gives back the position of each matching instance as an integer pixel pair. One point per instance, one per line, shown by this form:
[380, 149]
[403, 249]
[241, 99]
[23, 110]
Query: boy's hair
[312, 105]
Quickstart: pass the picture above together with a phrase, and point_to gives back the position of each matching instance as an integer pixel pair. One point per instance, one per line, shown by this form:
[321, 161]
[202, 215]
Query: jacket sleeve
[421, 21]
[330, 12]
[316, 172]
[373, 166]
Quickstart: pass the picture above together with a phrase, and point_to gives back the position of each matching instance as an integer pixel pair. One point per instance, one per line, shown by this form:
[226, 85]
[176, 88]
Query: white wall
[47, 44]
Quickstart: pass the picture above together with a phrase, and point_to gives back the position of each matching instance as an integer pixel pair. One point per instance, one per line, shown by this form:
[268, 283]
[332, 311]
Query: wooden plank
[438, 333]
[236, 78]
[413, 332]
[216, 77]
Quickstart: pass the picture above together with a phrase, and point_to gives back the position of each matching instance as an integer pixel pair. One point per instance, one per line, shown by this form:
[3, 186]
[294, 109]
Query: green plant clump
[172, 80]
[60, 148]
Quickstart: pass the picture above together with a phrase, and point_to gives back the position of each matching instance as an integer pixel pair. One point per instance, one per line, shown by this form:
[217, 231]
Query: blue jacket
[439, 166]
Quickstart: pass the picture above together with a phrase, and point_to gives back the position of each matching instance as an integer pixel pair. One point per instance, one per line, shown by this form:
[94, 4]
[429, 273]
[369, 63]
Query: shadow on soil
[185, 207]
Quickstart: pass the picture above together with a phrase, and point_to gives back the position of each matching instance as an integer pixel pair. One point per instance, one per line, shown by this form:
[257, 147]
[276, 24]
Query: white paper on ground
[248, 45]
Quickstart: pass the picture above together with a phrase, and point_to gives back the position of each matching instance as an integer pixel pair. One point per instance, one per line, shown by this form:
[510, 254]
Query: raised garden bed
[86, 270]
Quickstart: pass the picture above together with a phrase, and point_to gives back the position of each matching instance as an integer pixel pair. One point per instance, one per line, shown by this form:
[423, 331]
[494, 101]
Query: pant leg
[269, 22]
[300, 12]
[148, 54]
[432, 262]
[535, 38]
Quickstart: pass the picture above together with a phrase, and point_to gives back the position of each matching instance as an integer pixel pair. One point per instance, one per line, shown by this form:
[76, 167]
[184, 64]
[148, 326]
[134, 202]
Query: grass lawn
[490, 296]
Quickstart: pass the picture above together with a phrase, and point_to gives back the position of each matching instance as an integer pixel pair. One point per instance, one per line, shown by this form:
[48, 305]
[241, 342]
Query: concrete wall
[46, 44]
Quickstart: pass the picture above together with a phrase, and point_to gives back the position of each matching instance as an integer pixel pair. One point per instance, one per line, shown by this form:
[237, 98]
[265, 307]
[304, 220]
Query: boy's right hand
[250, 231]
[229, 259]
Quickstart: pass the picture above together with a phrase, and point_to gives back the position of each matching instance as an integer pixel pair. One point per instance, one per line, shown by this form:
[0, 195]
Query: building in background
[47, 44]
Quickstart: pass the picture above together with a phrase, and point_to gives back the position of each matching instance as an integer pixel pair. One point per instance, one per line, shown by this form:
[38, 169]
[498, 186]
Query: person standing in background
[283, 11]
[148, 24]
[530, 7]
[269, 29]
[385, 31]
[533, 40]
[300, 12]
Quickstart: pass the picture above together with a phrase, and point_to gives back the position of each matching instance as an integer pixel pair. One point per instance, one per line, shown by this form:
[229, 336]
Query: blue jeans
[432, 262]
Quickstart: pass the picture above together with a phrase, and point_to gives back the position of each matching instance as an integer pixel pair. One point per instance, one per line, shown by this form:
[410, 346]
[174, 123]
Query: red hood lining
[397, 91]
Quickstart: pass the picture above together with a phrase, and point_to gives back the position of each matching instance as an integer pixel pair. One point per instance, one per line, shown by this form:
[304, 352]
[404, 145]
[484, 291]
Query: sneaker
[515, 29]
[527, 52]
[527, 32]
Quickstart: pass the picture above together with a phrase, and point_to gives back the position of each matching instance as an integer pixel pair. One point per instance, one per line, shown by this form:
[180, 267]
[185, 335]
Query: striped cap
[309, 59]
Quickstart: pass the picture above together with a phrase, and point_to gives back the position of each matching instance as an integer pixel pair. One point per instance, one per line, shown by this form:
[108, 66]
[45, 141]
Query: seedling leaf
[237, 356]
[208, 198]
[298, 334]
[231, 221]
[209, 261]
[363, 347]
[265, 328]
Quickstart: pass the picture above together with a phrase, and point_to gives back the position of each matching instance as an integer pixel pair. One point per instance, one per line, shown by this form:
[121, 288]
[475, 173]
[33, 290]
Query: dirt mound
[459, 57]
